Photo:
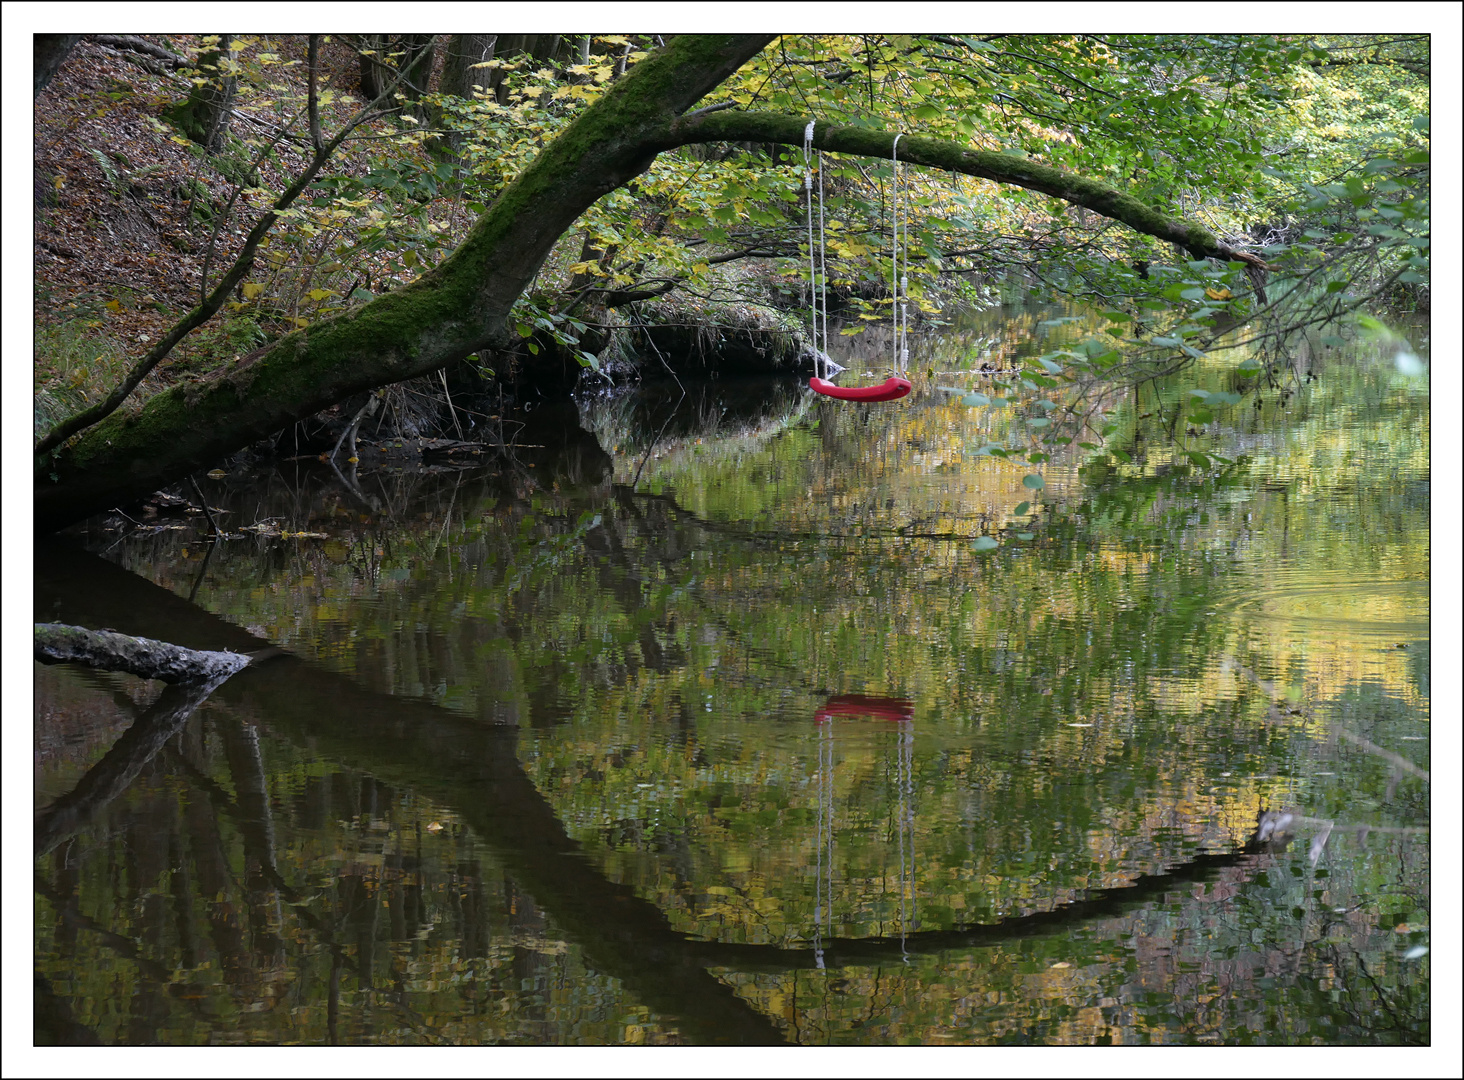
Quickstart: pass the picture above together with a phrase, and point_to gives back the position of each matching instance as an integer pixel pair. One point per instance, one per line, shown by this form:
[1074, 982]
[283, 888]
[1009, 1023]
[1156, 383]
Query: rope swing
[823, 366]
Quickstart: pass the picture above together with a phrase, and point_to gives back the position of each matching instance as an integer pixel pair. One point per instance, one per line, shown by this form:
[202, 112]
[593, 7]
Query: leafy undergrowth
[130, 219]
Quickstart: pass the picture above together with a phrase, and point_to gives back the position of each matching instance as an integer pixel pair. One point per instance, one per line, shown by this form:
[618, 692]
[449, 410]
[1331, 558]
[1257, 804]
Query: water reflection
[549, 756]
[869, 707]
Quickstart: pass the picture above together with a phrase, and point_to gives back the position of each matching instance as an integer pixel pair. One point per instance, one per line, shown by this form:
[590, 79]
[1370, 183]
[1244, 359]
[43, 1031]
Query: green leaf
[984, 543]
[1026, 536]
[1022, 508]
[1034, 481]
[975, 399]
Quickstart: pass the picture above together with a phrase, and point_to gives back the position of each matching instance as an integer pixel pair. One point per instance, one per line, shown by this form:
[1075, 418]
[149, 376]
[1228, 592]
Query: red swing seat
[889, 390]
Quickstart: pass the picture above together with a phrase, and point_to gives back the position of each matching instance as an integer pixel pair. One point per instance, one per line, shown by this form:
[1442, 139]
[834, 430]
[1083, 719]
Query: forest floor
[125, 234]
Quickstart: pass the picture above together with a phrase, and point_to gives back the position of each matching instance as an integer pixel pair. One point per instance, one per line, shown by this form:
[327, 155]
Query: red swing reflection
[852, 705]
[900, 711]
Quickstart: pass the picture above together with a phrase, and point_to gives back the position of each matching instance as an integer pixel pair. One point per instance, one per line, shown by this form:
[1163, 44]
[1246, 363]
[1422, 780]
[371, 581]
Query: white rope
[823, 266]
[899, 282]
[814, 285]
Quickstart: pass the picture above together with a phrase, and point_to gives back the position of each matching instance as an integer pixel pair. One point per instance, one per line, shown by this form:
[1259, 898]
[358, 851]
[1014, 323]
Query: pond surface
[729, 734]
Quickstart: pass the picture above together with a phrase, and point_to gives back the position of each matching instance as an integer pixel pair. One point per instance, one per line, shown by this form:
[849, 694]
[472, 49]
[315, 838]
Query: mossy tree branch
[1095, 195]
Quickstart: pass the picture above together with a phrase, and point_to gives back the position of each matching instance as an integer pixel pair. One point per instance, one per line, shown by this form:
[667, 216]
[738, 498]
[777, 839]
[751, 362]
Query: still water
[728, 733]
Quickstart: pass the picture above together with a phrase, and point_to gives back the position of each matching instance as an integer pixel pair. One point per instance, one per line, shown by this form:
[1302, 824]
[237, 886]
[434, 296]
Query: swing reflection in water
[901, 712]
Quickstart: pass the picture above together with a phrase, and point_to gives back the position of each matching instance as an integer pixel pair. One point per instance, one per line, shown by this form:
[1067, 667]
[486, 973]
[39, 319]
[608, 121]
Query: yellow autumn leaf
[252, 290]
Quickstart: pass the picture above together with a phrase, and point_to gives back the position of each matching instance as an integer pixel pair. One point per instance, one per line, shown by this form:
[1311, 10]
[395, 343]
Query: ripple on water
[1341, 606]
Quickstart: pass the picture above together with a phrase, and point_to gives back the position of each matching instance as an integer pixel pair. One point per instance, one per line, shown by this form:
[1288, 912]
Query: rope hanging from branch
[824, 367]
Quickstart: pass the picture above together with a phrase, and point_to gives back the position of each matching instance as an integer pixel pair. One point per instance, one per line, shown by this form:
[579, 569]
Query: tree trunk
[374, 74]
[50, 51]
[463, 51]
[458, 78]
[419, 52]
[204, 116]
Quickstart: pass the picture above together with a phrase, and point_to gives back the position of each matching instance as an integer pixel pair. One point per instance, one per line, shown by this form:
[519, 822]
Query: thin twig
[214, 525]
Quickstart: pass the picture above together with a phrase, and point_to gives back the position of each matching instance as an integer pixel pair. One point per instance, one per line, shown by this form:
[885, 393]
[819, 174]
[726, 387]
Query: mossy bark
[1096, 195]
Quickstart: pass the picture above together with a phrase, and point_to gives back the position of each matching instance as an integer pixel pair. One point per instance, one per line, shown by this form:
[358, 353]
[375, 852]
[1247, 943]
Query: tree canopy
[1181, 184]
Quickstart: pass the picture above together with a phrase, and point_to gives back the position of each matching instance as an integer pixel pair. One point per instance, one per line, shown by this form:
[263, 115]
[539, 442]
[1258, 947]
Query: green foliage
[77, 357]
[219, 343]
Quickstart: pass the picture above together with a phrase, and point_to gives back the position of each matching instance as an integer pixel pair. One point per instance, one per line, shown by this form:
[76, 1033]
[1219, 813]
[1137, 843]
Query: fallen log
[57, 643]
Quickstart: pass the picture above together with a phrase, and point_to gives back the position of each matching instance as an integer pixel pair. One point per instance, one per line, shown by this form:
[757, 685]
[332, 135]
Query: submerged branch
[56, 643]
